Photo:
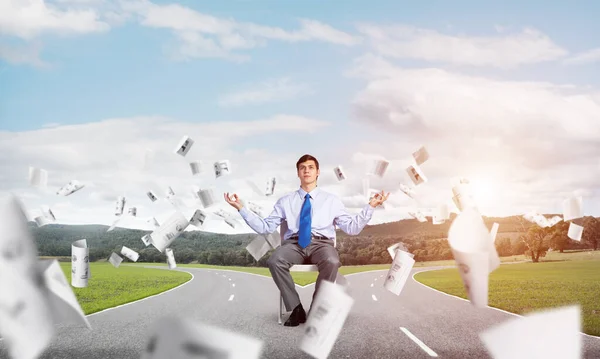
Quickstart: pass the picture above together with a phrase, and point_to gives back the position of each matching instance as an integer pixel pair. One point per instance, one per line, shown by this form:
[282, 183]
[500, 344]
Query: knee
[331, 263]
[275, 261]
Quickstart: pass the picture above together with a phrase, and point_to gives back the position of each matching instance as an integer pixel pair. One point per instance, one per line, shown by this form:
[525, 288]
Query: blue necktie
[305, 223]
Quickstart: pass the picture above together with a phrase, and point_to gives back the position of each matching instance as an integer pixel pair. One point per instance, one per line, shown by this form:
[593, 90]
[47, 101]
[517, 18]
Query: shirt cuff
[368, 210]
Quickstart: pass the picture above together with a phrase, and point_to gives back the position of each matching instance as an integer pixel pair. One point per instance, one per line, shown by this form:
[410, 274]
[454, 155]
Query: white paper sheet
[575, 231]
[63, 303]
[409, 191]
[147, 240]
[132, 211]
[170, 258]
[130, 254]
[120, 205]
[474, 253]
[378, 167]
[327, 316]
[47, 212]
[196, 167]
[26, 323]
[163, 236]
[418, 215]
[115, 259]
[400, 270]
[553, 333]
[169, 192]
[38, 177]
[179, 338]
[494, 231]
[555, 220]
[222, 168]
[207, 197]
[80, 263]
[339, 173]
[421, 155]
[198, 218]
[42, 221]
[274, 239]
[271, 186]
[258, 210]
[228, 218]
[572, 208]
[152, 196]
[184, 146]
[258, 247]
[416, 175]
[70, 188]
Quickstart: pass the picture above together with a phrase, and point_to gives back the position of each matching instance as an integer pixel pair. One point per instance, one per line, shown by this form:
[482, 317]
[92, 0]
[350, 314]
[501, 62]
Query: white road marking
[371, 285]
[233, 284]
[381, 276]
[231, 298]
[419, 343]
[374, 297]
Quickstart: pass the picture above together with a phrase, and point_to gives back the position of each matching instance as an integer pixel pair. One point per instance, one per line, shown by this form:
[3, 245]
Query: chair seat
[304, 268]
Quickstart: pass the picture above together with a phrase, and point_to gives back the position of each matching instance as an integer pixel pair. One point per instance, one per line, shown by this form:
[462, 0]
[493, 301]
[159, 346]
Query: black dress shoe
[298, 316]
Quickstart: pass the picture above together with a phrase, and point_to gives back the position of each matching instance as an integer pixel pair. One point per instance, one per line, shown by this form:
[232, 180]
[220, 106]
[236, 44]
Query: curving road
[420, 323]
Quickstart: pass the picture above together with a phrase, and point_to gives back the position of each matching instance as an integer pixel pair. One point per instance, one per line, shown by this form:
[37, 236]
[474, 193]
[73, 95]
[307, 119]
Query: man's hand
[233, 200]
[378, 199]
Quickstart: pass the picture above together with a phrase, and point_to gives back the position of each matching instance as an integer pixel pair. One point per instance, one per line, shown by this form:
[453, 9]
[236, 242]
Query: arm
[266, 225]
[352, 224]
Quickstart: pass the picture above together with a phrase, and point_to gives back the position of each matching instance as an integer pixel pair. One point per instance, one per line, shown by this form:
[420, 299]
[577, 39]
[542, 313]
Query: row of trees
[370, 248]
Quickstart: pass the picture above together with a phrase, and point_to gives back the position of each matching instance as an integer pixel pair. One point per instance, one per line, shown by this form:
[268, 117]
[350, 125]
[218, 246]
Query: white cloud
[505, 50]
[27, 55]
[27, 19]
[531, 142]
[586, 57]
[202, 35]
[273, 90]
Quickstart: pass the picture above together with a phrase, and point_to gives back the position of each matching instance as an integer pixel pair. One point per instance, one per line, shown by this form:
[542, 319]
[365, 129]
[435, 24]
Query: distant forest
[425, 240]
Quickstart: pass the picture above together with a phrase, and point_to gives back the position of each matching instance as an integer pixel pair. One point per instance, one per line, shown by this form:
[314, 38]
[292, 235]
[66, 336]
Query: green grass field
[110, 286]
[525, 287]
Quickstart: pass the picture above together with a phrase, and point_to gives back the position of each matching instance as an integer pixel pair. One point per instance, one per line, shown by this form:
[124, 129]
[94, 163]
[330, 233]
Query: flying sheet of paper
[115, 259]
[198, 218]
[63, 303]
[207, 197]
[169, 192]
[494, 231]
[152, 196]
[416, 174]
[228, 218]
[170, 258]
[222, 168]
[339, 173]
[378, 167]
[555, 220]
[179, 338]
[436, 220]
[147, 240]
[572, 208]
[42, 221]
[258, 247]
[132, 211]
[47, 212]
[26, 322]
[398, 274]
[474, 253]
[80, 263]
[70, 188]
[463, 197]
[409, 191]
[327, 316]
[421, 155]
[130, 254]
[38, 177]
[120, 205]
[575, 231]
[163, 236]
[184, 146]
[274, 239]
[270, 186]
[196, 167]
[418, 215]
[258, 210]
[553, 333]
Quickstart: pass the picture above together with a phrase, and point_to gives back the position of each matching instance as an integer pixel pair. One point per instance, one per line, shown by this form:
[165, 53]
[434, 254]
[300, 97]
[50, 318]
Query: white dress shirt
[327, 211]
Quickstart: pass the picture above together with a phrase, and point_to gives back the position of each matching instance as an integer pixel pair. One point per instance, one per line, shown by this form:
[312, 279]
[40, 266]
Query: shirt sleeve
[352, 224]
[266, 225]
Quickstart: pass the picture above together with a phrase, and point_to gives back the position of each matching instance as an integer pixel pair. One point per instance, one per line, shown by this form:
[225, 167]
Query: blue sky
[376, 73]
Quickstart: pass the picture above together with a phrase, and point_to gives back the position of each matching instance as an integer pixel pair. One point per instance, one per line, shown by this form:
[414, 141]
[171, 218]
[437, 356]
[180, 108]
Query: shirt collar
[313, 194]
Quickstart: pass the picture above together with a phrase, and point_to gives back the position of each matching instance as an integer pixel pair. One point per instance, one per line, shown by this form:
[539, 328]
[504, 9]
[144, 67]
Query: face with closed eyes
[308, 172]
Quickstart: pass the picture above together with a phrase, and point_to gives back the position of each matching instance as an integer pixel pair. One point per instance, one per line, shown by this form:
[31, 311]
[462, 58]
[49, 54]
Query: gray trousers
[320, 252]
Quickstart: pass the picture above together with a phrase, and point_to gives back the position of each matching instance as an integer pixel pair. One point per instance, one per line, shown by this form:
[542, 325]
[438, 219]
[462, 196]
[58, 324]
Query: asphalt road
[420, 323]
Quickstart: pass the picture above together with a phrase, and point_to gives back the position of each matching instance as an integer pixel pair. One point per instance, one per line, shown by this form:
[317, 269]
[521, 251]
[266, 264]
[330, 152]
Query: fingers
[226, 196]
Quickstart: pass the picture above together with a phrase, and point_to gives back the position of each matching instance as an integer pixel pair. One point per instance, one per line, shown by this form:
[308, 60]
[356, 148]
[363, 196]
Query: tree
[559, 239]
[591, 232]
[536, 240]
[504, 247]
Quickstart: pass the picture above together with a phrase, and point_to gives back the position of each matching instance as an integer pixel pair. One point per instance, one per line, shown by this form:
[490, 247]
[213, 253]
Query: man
[311, 215]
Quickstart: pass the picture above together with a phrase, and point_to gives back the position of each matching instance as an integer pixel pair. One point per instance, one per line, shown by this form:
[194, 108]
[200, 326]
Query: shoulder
[286, 197]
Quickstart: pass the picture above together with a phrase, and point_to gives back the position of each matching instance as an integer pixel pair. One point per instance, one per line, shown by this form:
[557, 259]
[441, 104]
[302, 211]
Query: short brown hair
[304, 159]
